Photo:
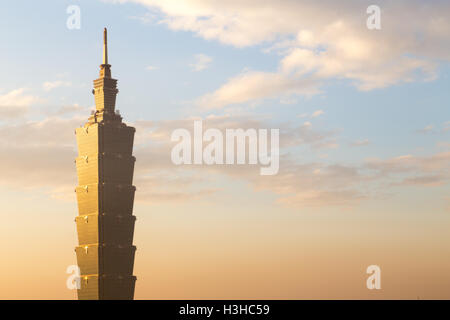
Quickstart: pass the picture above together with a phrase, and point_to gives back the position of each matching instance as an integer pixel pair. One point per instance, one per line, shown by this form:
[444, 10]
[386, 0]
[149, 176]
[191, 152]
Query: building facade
[105, 196]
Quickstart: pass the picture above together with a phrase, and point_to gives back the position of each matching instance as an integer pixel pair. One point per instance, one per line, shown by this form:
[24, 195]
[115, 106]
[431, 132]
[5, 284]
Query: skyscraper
[105, 196]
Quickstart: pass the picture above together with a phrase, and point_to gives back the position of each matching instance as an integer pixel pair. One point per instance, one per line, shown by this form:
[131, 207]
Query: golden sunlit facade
[105, 195]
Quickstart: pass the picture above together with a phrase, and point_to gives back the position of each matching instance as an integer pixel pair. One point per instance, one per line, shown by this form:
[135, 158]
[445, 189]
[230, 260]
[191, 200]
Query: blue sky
[36, 39]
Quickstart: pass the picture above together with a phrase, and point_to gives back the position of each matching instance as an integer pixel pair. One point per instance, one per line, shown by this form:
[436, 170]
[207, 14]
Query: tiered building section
[105, 196]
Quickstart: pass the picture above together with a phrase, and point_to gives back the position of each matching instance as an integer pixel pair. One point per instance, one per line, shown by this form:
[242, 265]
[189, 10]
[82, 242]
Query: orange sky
[239, 251]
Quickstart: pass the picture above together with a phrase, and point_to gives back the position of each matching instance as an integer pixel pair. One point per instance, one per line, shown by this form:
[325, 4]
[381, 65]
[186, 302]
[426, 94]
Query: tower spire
[105, 67]
[105, 87]
[105, 46]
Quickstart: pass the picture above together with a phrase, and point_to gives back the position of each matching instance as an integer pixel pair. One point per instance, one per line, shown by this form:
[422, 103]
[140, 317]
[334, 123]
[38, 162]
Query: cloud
[317, 113]
[50, 85]
[326, 40]
[154, 160]
[39, 155]
[146, 18]
[162, 186]
[202, 61]
[298, 183]
[411, 170]
[332, 144]
[430, 180]
[360, 143]
[446, 126]
[51, 131]
[45, 150]
[70, 109]
[253, 85]
[15, 103]
[426, 129]
[435, 130]
[151, 68]
[345, 198]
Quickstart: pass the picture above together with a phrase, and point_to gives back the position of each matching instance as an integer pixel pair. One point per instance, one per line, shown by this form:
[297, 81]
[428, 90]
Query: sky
[364, 126]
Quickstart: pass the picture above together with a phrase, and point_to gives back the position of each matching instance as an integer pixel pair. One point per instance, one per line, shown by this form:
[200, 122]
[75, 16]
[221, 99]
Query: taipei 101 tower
[105, 195]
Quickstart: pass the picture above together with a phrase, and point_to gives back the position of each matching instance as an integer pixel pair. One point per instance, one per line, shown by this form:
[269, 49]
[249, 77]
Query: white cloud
[27, 146]
[70, 109]
[319, 40]
[50, 85]
[252, 85]
[146, 18]
[360, 143]
[15, 103]
[435, 129]
[317, 113]
[439, 162]
[427, 129]
[39, 155]
[423, 180]
[202, 61]
[446, 126]
[151, 68]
